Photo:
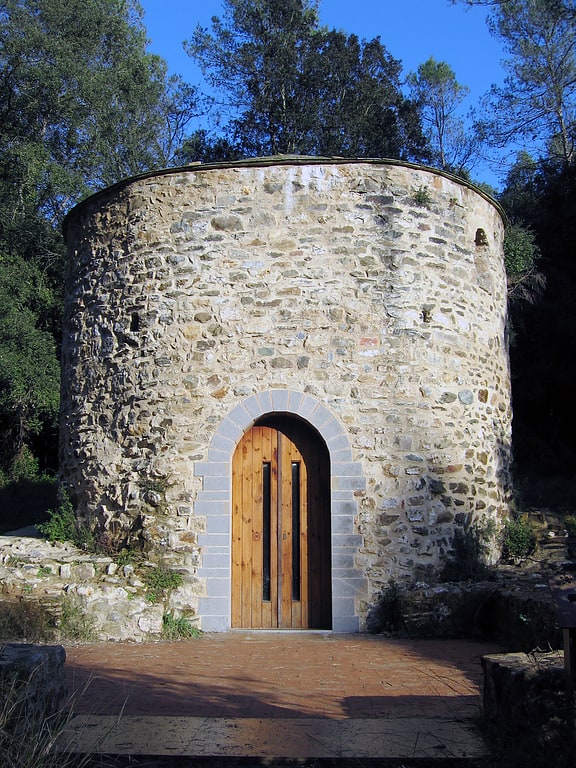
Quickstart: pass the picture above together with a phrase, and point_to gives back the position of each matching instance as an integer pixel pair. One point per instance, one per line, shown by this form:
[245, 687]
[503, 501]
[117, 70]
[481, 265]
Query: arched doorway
[281, 534]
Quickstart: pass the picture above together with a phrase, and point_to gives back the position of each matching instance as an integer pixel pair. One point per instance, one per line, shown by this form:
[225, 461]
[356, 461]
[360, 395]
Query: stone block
[32, 676]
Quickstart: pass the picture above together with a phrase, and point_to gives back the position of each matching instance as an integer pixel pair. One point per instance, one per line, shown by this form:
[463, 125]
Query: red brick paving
[279, 675]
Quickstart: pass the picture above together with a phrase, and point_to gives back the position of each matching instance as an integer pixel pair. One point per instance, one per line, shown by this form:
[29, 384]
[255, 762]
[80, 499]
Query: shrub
[519, 539]
[25, 466]
[570, 523]
[62, 524]
[386, 615]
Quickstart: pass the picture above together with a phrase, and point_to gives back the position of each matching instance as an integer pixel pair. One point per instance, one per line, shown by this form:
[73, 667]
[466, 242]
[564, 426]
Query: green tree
[521, 249]
[82, 104]
[540, 196]
[361, 111]
[289, 86]
[29, 369]
[436, 90]
[537, 103]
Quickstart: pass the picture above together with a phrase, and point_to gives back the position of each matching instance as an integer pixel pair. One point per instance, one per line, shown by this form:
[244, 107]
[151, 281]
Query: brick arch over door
[214, 503]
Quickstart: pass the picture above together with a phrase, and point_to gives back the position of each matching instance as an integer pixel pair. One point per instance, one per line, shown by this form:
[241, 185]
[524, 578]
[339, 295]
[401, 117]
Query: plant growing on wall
[160, 582]
[62, 524]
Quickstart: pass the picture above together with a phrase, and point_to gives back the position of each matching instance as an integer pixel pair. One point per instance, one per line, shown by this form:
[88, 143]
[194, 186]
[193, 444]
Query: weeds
[75, 623]
[26, 620]
[29, 736]
[160, 582]
[422, 197]
[178, 628]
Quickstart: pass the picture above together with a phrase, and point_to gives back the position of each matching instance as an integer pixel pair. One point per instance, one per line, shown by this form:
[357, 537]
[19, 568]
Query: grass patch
[26, 620]
[31, 622]
[75, 623]
[29, 737]
[178, 628]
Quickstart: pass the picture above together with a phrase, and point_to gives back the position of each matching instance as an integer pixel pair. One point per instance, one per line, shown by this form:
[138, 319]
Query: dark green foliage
[294, 87]
[29, 369]
[62, 524]
[82, 104]
[570, 523]
[519, 539]
[520, 252]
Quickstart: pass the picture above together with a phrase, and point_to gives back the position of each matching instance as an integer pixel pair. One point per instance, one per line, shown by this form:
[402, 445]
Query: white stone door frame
[214, 503]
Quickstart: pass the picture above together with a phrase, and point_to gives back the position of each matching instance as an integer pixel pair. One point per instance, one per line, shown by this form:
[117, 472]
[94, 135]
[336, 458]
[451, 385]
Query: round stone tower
[288, 378]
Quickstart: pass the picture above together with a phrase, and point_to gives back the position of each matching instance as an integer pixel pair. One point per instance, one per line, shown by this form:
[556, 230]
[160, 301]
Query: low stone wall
[113, 597]
[32, 681]
[527, 708]
[526, 688]
[519, 615]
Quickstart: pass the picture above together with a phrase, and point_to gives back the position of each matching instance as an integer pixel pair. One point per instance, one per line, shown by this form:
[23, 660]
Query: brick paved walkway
[280, 675]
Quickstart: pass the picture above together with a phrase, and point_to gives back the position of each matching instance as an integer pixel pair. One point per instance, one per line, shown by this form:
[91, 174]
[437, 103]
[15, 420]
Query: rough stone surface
[193, 294]
[114, 603]
[32, 679]
[524, 688]
[516, 612]
[528, 708]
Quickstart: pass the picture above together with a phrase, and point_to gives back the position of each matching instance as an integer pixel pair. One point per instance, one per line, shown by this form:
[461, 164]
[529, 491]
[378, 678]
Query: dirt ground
[288, 674]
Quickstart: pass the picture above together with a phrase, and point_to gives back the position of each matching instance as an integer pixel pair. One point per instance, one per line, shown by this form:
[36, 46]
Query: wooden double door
[281, 567]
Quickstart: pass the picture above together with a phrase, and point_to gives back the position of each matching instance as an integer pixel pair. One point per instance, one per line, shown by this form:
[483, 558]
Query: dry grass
[31, 739]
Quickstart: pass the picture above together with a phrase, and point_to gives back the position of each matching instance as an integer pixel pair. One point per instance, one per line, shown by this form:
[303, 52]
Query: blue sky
[412, 30]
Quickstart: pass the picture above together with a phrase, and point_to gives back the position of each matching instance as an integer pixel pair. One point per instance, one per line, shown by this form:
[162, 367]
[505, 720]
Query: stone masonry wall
[373, 289]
